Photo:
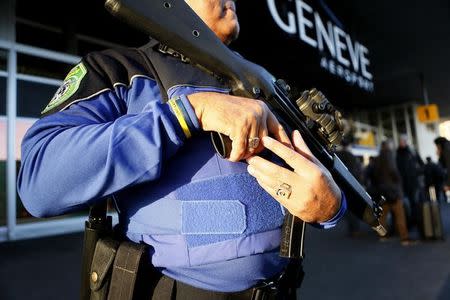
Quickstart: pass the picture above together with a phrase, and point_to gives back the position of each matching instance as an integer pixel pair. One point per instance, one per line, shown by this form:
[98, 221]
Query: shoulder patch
[68, 88]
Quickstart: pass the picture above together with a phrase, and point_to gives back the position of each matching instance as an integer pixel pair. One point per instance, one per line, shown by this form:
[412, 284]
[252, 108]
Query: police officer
[213, 224]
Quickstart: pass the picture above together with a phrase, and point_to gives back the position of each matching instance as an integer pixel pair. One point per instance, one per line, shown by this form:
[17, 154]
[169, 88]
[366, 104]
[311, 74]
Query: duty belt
[283, 287]
[167, 289]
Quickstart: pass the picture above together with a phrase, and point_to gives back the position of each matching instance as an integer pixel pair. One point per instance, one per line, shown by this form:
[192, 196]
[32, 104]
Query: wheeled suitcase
[431, 218]
[426, 221]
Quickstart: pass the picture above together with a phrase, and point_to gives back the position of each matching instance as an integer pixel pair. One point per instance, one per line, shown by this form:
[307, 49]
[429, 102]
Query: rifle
[175, 25]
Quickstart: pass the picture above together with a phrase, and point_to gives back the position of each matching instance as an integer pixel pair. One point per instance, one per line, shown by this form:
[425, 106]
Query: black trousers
[156, 286]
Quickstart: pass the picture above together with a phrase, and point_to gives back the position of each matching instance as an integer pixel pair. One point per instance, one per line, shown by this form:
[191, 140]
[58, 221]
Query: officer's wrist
[191, 113]
[185, 115]
[197, 103]
[336, 218]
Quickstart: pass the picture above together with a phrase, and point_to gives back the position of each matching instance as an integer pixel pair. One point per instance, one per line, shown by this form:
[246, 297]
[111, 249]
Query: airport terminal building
[349, 51]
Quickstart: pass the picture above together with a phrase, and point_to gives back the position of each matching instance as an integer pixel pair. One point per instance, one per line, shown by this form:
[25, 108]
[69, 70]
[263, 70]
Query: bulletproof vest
[214, 210]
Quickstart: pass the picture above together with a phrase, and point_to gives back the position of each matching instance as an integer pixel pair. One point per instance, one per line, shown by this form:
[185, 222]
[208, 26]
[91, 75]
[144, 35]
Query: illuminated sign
[428, 113]
[340, 55]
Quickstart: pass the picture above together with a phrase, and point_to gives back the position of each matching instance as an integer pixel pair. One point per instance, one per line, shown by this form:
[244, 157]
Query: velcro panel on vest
[210, 211]
[193, 217]
[213, 217]
[262, 212]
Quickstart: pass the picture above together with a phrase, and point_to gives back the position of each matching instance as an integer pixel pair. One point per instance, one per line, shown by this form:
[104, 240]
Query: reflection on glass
[38, 66]
[33, 97]
[94, 31]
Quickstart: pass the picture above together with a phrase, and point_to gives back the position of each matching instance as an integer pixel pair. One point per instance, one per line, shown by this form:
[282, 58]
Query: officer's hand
[238, 118]
[309, 192]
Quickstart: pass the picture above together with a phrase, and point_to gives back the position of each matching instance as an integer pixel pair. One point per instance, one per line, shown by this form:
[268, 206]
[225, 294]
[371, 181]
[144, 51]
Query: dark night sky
[409, 38]
[405, 39]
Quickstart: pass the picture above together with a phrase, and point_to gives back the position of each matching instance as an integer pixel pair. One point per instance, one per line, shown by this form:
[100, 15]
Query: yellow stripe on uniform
[180, 118]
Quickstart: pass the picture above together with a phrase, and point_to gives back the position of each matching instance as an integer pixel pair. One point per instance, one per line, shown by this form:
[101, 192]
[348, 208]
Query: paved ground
[337, 267]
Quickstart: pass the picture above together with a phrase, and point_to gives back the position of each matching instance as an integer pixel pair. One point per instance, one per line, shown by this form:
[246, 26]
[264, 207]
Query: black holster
[102, 267]
[115, 268]
[110, 264]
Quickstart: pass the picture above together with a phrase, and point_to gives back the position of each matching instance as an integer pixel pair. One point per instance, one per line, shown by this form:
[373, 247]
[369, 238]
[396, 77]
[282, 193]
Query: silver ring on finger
[253, 143]
[283, 190]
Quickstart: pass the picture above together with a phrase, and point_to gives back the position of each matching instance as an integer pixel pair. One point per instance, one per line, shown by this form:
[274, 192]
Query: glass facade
[44, 52]
[2, 60]
[41, 67]
[84, 31]
[46, 48]
[387, 123]
[34, 79]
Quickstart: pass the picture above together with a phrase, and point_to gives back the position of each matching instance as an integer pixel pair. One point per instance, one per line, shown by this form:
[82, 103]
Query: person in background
[443, 152]
[410, 166]
[368, 174]
[435, 175]
[386, 179]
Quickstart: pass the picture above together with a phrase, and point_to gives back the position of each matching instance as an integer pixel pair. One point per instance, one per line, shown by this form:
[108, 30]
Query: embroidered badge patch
[68, 88]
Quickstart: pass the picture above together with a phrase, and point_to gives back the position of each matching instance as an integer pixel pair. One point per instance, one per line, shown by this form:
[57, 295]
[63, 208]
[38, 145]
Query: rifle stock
[174, 24]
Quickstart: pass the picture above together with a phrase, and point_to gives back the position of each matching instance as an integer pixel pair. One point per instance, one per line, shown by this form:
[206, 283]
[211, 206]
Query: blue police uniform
[107, 132]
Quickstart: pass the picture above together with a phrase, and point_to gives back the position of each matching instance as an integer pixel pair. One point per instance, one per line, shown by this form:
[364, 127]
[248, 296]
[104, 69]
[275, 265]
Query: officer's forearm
[69, 158]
